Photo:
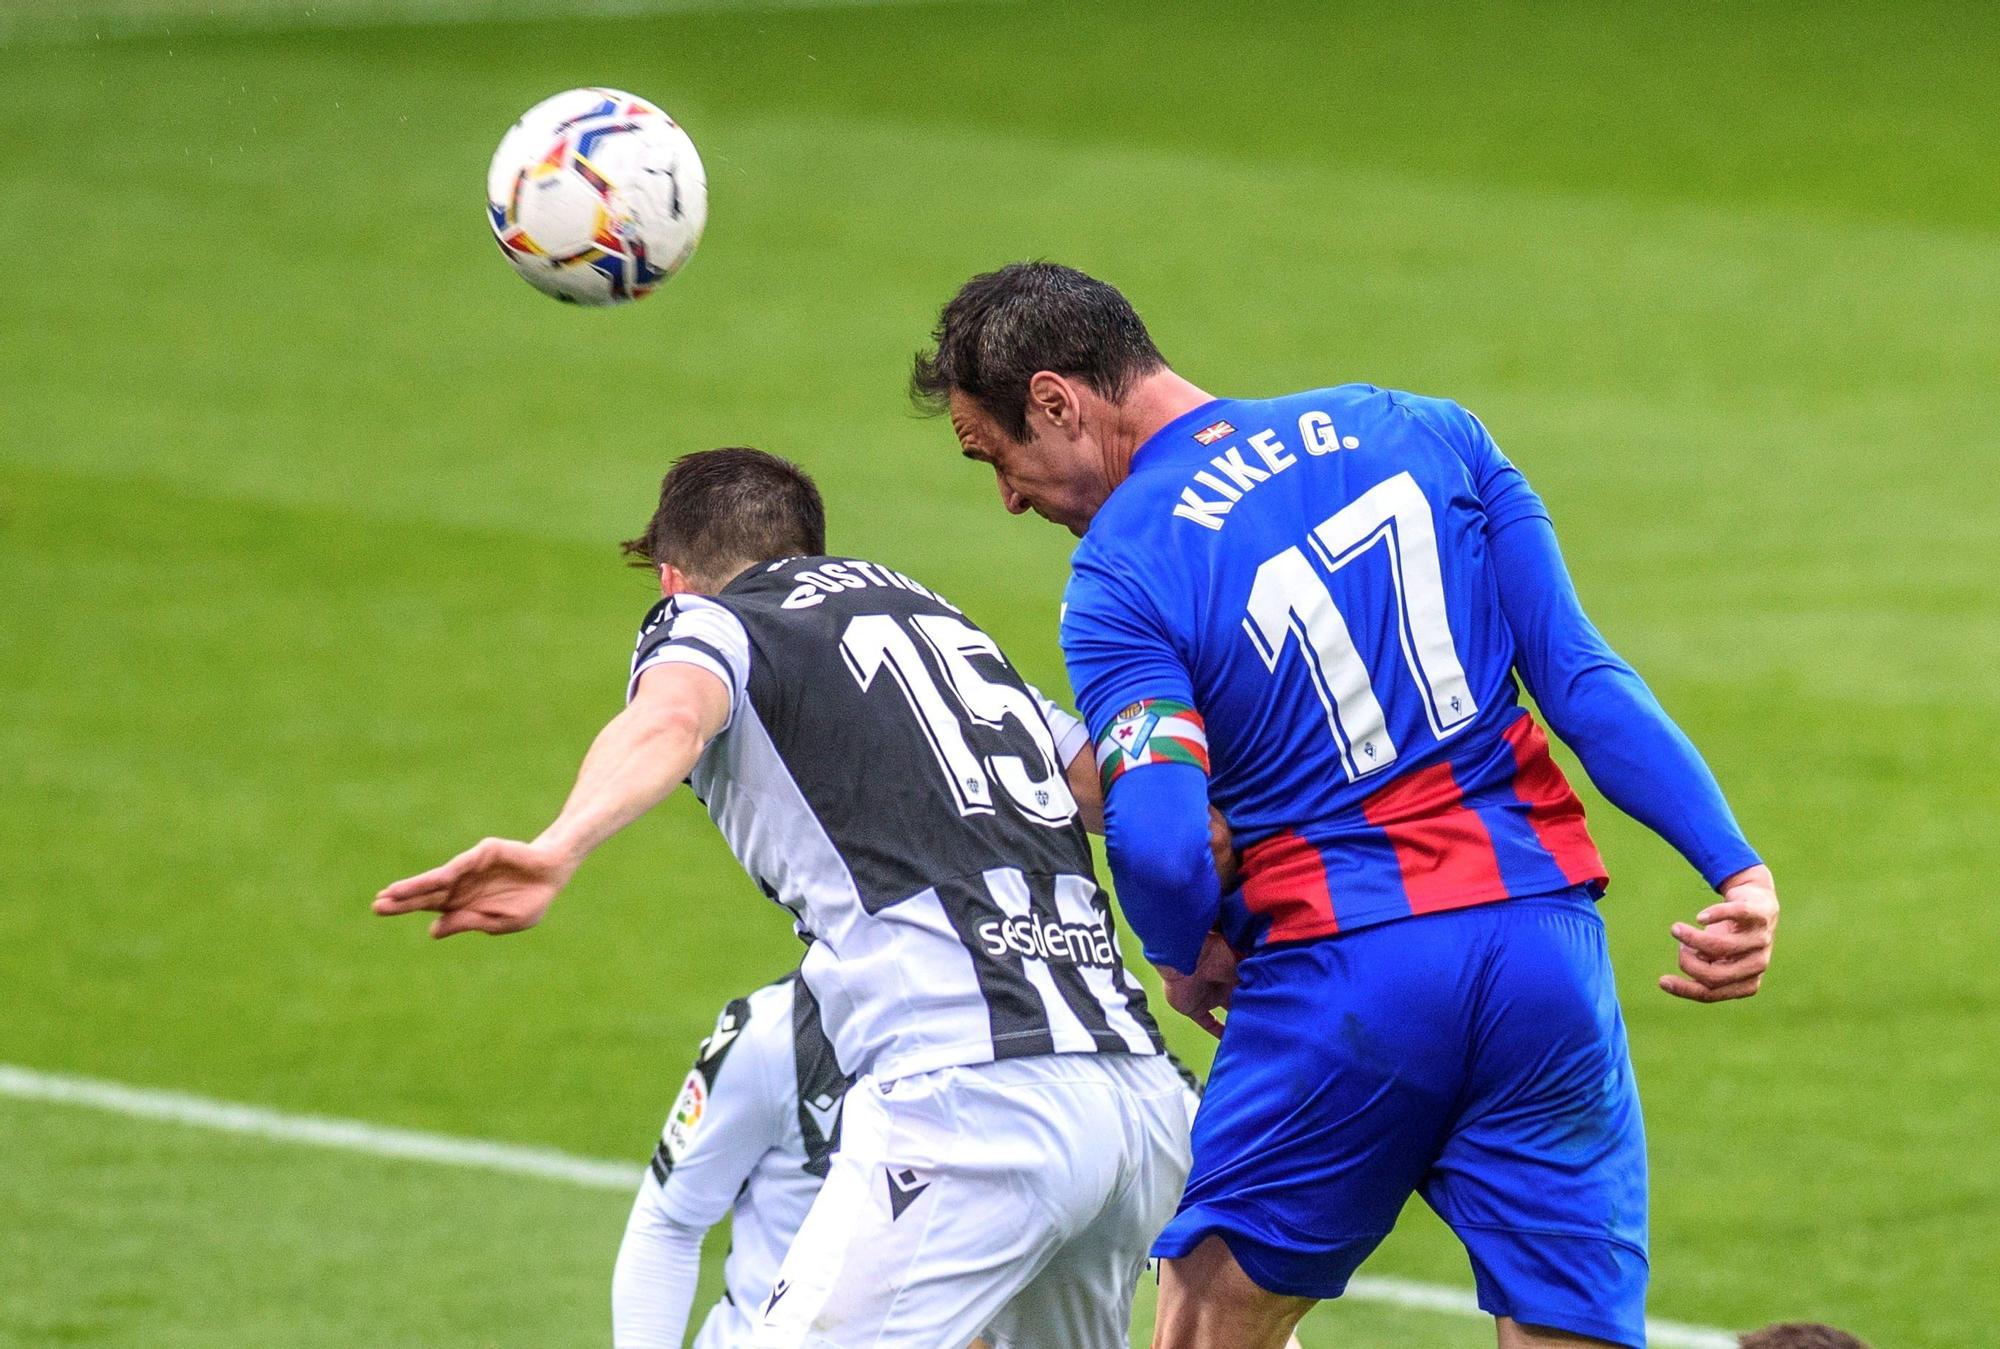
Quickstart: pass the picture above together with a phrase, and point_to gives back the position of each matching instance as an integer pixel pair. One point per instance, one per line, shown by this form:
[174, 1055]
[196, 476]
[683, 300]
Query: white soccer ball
[596, 196]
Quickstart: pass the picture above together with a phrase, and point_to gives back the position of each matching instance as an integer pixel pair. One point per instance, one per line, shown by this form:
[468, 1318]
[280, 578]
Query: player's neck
[1154, 401]
[687, 583]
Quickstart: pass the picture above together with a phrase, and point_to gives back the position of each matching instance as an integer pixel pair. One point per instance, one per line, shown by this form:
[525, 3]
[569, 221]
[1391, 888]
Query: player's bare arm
[1081, 772]
[502, 885]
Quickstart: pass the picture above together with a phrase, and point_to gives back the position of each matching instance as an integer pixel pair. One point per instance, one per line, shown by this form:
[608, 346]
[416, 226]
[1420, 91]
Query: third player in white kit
[750, 1137]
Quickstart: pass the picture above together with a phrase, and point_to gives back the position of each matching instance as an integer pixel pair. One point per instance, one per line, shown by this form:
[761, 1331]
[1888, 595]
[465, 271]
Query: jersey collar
[750, 575]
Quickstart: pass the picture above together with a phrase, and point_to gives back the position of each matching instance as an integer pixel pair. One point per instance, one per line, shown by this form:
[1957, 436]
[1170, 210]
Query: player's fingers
[1208, 1022]
[1741, 989]
[462, 920]
[1734, 911]
[1698, 992]
[438, 878]
[1721, 942]
[1717, 973]
[403, 898]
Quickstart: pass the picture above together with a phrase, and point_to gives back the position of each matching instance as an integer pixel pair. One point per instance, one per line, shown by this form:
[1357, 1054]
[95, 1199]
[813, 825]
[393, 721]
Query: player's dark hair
[1002, 327]
[731, 506]
[1799, 1335]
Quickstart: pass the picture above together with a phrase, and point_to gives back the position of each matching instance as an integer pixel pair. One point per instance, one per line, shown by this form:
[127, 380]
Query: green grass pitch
[307, 510]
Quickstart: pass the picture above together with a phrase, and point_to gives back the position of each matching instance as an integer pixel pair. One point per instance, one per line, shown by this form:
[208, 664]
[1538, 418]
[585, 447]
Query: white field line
[349, 1135]
[1431, 1297]
[70, 25]
[381, 1140]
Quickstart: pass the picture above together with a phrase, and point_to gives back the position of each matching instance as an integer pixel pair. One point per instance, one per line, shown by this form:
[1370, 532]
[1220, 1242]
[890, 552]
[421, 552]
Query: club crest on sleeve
[1213, 432]
[1132, 728]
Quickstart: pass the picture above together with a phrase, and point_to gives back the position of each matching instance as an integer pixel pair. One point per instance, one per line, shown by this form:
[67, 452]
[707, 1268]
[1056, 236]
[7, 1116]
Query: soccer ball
[596, 196]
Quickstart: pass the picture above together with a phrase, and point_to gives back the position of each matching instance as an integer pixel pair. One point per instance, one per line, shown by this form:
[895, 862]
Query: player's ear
[672, 581]
[1055, 399]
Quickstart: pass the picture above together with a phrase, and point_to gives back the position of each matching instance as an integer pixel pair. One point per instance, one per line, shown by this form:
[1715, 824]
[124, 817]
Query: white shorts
[1015, 1200]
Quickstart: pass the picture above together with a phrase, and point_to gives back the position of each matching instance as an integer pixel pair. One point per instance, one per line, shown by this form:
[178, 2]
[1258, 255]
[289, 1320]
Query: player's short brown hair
[1799, 1335]
[1003, 327]
[730, 507]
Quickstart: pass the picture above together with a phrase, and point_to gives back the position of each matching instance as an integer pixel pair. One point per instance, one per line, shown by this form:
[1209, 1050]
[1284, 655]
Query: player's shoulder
[1324, 419]
[691, 629]
[655, 620]
[1443, 418]
[681, 612]
[757, 1025]
[1353, 416]
[773, 1003]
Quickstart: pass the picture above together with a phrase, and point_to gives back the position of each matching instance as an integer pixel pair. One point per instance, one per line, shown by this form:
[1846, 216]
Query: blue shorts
[1476, 1057]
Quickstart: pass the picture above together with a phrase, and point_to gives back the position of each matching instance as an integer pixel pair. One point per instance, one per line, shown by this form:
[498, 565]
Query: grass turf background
[306, 505]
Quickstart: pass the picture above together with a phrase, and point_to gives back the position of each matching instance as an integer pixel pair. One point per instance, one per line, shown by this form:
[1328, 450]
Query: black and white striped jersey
[888, 777]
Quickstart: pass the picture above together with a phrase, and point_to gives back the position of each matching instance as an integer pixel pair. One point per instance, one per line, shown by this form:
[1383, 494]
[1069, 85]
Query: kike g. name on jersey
[1299, 589]
[888, 777]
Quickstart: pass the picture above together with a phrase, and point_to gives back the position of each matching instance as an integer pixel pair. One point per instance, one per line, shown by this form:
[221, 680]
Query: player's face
[1042, 473]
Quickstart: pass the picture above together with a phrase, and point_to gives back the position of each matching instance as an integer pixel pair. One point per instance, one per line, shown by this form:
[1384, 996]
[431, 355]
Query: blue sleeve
[1595, 702]
[1116, 645]
[1120, 653]
[1156, 837]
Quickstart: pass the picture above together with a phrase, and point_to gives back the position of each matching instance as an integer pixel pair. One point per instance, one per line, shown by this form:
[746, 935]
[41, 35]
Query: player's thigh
[920, 1234]
[1083, 1297]
[1207, 1301]
[1544, 1175]
[1337, 1077]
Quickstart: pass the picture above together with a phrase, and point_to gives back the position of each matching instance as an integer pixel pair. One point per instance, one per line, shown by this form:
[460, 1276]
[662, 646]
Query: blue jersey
[1307, 583]
[1318, 613]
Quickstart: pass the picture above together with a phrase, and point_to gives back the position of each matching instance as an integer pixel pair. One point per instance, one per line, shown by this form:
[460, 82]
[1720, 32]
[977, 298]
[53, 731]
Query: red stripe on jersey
[1444, 850]
[1553, 810]
[1284, 879]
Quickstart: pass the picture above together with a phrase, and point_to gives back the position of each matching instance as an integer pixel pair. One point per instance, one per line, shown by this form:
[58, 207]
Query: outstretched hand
[1727, 955]
[495, 886]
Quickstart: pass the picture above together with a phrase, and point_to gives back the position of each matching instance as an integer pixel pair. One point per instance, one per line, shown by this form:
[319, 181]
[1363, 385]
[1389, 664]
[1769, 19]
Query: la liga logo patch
[686, 1117]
